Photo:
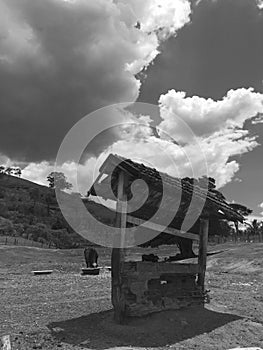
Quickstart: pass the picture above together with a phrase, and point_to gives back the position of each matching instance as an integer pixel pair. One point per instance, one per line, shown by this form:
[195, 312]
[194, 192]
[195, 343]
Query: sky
[199, 62]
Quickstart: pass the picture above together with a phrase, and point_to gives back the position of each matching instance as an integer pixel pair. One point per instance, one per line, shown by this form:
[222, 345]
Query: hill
[30, 210]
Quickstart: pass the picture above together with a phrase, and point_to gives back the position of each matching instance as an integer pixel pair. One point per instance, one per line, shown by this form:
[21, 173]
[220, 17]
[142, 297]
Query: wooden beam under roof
[160, 228]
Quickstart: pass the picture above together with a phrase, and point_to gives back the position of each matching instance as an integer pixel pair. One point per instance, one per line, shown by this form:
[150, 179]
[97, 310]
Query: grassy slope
[18, 205]
[9, 181]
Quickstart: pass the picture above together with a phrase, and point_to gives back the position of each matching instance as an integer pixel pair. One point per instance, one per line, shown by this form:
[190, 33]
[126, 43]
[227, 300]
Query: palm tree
[254, 228]
[242, 210]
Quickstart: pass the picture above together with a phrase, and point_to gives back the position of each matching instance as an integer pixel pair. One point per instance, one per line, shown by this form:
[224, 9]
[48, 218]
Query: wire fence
[19, 241]
[241, 237]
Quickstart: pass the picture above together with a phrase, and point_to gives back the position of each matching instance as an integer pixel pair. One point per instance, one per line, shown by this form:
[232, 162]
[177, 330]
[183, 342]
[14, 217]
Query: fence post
[202, 255]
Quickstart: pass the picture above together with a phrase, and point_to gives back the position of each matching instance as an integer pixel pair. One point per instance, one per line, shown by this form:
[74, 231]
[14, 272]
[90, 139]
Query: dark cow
[150, 257]
[91, 257]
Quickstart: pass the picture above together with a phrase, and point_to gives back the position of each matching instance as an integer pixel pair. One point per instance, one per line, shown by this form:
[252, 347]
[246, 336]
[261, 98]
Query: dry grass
[69, 311]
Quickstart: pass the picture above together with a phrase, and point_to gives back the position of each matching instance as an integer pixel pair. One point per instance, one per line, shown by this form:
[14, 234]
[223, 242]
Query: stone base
[152, 287]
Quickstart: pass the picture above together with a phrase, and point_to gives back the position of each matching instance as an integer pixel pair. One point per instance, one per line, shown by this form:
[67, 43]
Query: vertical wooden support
[204, 226]
[117, 256]
[236, 231]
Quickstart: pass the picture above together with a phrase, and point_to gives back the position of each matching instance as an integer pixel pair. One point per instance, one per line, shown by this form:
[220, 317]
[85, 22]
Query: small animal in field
[91, 257]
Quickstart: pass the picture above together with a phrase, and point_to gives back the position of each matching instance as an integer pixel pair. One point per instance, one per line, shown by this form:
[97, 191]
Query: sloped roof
[206, 196]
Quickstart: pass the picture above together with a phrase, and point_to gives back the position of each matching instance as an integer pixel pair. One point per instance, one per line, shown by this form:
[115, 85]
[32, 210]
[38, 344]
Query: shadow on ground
[99, 331]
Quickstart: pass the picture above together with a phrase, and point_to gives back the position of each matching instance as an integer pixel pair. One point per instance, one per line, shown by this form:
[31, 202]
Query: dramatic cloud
[164, 17]
[206, 135]
[261, 206]
[216, 125]
[60, 60]
[260, 4]
[208, 156]
[205, 117]
[38, 172]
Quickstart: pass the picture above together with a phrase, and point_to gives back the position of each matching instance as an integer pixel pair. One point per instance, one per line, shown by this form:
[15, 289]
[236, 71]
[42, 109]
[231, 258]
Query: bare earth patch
[65, 310]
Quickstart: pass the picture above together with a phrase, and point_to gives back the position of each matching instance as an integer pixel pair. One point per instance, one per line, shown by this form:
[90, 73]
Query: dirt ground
[65, 310]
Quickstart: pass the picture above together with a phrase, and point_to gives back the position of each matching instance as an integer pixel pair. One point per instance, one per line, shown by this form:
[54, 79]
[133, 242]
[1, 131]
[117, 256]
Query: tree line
[10, 170]
[58, 180]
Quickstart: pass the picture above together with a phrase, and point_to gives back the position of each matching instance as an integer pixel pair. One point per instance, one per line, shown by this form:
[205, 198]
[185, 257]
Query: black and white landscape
[174, 88]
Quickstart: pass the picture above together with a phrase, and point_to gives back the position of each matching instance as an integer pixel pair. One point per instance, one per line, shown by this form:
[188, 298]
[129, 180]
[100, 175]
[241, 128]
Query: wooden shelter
[141, 287]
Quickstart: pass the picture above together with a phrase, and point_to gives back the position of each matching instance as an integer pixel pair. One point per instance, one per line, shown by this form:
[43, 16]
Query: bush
[6, 227]
[3, 209]
[19, 228]
[37, 231]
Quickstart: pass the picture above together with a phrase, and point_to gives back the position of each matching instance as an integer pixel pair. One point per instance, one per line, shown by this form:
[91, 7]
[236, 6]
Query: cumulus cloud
[164, 17]
[261, 207]
[80, 176]
[206, 156]
[208, 135]
[260, 4]
[60, 60]
[217, 126]
[196, 137]
[205, 117]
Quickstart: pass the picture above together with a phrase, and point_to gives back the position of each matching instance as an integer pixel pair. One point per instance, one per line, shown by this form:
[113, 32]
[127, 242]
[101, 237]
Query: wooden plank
[204, 226]
[42, 272]
[161, 228]
[164, 267]
[117, 256]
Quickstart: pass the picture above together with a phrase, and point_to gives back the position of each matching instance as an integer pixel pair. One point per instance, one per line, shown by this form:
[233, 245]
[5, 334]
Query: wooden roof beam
[156, 227]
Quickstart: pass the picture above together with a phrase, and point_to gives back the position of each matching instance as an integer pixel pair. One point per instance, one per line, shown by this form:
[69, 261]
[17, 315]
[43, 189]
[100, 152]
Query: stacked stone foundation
[148, 287]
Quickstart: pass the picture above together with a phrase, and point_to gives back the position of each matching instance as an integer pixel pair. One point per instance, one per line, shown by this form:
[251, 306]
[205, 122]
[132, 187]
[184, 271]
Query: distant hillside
[31, 211]
[14, 181]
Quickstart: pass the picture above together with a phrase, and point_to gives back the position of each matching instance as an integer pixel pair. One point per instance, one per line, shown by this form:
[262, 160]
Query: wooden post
[236, 231]
[117, 256]
[204, 225]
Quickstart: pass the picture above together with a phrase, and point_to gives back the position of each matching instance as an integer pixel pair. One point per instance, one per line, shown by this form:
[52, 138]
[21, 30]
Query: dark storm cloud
[56, 65]
[58, 62]
[61, 59]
